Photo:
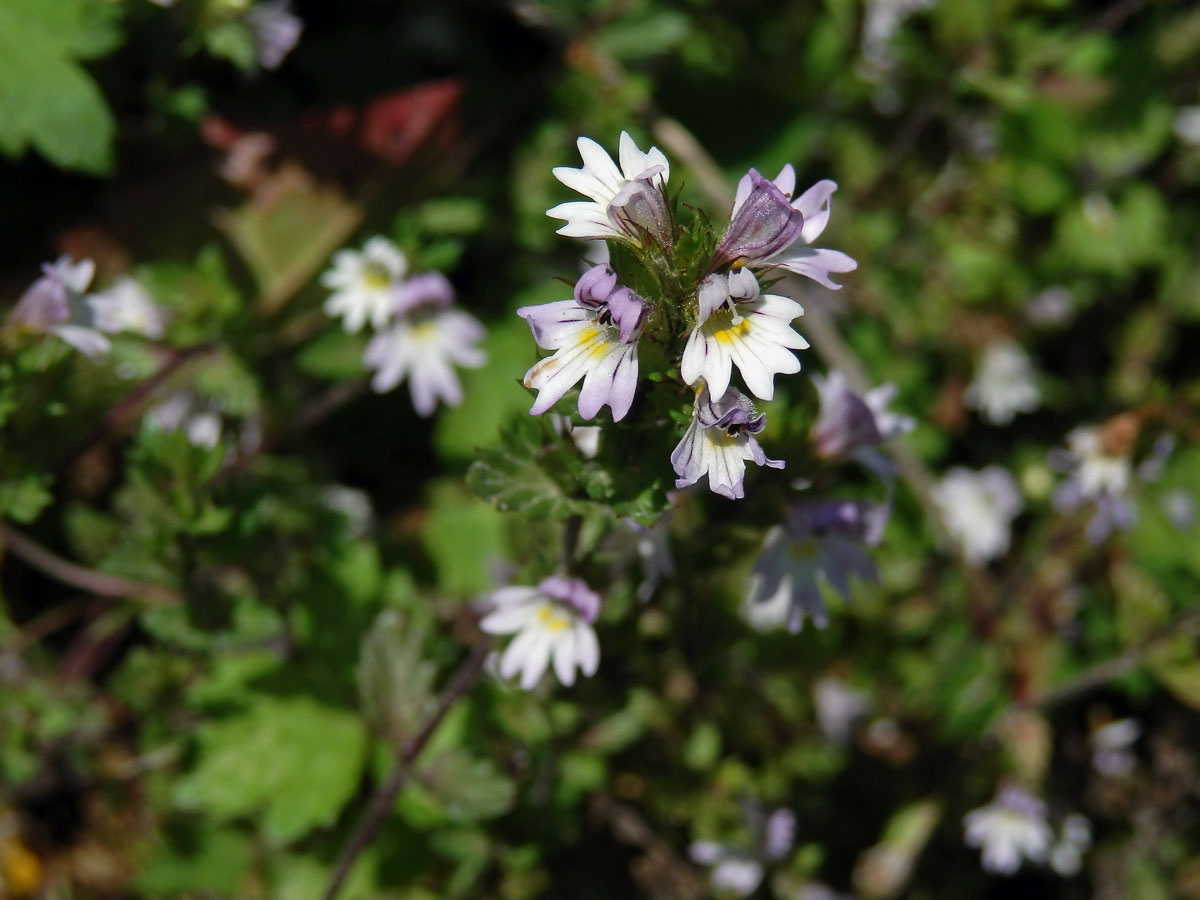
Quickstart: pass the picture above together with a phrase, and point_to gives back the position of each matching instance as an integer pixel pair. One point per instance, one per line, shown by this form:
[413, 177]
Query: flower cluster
[59, 303]
[418, 333]
[666, 280]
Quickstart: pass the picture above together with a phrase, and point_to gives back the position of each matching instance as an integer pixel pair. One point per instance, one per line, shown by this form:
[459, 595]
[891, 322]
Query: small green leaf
[395, 681]
[295, 758]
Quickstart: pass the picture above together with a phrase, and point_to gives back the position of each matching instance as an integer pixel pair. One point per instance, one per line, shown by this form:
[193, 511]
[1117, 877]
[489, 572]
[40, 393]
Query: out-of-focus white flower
[737, 871]
[1112, 744]
[977, 509]
[1009, 830]
[1099, 475]
[1179, 506]
[1004, 384]
[880, 23]
[1187, 125]
[56, 304]
[839, 707]
[275, 29]
[848, 422]
[1066, 856]
[127, 306]
[364, 283]
[821, 541]
[552, 623]
[425, 343]
[1049, 307]
[184, 411]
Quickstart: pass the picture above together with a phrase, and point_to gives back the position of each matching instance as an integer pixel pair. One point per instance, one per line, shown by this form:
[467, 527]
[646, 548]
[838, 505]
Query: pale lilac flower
[820, 541]
[1112, 753]
[629, 203]
[552, 624]
[1004, 384]
[738, 870]
[1179, 506]
[185, 411]
[127, 306]
[780, 232]
[848, 422]
[425, 343]
[1187, 125]
[1066, 856]
[1009, 830]
[761, 223]
[1049, 308]
[977, 509]
[594, 336]
[719, 441]
[1097, 476]
[839, 707]
[739, 326]
[364, 283]
[275, 29]
[880, 23]
[57, 304]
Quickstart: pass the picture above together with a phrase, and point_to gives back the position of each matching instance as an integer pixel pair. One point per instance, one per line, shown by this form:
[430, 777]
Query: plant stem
[385, 797]
[67, 572]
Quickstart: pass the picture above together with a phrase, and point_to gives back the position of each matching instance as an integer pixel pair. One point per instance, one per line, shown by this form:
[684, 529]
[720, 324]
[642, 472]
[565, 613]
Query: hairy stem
[406, 755]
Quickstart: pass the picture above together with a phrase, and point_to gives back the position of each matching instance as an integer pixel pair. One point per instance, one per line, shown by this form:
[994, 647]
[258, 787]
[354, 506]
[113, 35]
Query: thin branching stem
[406, 755]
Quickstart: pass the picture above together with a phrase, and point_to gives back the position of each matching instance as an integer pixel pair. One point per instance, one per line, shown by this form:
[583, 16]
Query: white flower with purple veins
[768, 229]
[978, 509]
[275, 30]
[739, 326]
[820, 541]
[553, 625]
[57, 304]
[737, 871]
[127, 306]
[363, 283]
[848, 422]
[1102, 476]
[1004, 384]
[627, 203]
[425, 343]
[719, 441]
[1009, 830]
[594, 336]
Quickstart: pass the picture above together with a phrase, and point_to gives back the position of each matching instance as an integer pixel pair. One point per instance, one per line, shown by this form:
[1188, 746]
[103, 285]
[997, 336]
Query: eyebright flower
[425, 343]
[770, 230]
[738, 870]
[126, 306]
[718, 442]
[738, 325]
[848, 422]
[977, 509]
[821, 540]
[628, 204]
[552, 622]
[275, 30]
[186, 412]
[1101, 472]
[57, 304]
[1075, 838]
[363, 283]
[1112, 744]
[594, 337]
[1010, 829]
[1004, 384]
